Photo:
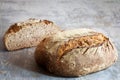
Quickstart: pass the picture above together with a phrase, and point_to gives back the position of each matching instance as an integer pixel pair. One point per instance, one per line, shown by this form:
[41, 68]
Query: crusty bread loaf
[28, 33]
[76, 52]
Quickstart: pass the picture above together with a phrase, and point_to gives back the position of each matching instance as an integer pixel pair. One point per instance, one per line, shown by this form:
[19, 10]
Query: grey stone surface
[102, 15]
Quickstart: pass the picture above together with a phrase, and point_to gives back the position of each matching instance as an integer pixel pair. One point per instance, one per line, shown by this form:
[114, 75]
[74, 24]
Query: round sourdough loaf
[76, 52]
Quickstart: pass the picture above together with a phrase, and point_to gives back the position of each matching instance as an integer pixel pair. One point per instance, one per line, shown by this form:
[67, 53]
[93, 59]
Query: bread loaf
[76, 52]
[28, 33]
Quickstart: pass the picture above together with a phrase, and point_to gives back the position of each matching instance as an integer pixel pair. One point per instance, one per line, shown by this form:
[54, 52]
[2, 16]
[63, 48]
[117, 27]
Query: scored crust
[81, 42]
[71, 39]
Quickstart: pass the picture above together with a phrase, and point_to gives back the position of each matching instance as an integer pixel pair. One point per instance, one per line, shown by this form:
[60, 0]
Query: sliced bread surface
[28, 33]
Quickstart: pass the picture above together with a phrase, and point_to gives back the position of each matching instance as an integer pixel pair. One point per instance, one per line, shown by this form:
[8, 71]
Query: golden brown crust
[84, 41]
[18, 26]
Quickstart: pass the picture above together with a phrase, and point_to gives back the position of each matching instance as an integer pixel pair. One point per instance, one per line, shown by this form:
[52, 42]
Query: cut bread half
[28, 33]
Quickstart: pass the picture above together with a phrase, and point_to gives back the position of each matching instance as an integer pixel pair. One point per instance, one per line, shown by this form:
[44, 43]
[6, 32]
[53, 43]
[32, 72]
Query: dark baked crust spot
[85, 51]
[14, 28]
[47, 22]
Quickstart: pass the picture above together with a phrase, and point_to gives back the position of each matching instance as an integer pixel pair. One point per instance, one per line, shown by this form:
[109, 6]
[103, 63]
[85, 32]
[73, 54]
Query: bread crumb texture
[28, 33]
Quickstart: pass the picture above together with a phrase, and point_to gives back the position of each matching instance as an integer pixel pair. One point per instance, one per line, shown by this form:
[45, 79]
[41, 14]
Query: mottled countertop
[102, 15]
